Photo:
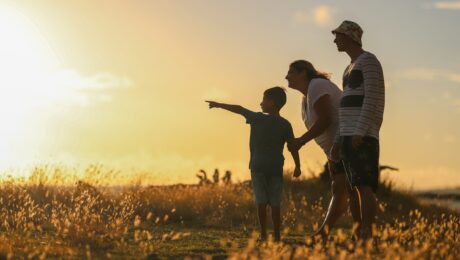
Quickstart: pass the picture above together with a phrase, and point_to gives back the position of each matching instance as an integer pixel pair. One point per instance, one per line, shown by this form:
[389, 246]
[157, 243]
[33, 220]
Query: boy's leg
[275, 194]
[276, 218]
[262, 213]
[259, 187]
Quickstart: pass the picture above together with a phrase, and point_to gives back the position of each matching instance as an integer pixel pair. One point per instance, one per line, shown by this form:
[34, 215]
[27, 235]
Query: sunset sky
[123, 83]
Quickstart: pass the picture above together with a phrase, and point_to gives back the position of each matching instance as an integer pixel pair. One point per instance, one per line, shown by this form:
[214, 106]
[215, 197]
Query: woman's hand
[295, 144]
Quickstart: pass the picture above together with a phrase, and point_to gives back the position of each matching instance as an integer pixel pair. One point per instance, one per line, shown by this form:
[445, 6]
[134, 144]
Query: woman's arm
[295, 156]
[323, 109]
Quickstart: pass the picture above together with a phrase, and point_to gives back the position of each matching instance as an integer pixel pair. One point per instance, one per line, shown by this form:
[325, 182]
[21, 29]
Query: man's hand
[212, 104]
[295, 144]
[356, 141]
[297, 172]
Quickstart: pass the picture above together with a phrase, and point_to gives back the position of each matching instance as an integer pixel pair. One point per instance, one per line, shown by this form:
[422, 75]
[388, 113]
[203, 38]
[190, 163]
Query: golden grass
[53, 215]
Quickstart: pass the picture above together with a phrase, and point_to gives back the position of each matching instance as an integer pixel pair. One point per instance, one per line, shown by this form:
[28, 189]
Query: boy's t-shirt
[268, 136]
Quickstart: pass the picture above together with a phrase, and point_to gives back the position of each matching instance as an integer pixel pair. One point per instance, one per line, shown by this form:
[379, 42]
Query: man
[360, 118]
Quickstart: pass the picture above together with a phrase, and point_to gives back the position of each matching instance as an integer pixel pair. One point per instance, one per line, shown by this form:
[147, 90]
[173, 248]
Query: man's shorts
[335, 168]
[267, 187]
[361, 164]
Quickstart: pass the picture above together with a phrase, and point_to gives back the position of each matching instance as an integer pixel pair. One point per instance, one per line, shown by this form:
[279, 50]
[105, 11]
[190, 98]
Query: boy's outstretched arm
[232, 108]
[295, 156]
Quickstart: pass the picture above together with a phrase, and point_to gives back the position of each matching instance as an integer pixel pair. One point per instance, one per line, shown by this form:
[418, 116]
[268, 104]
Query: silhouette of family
[345, 124]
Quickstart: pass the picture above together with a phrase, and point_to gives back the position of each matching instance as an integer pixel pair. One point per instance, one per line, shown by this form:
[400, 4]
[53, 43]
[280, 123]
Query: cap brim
[337, 31]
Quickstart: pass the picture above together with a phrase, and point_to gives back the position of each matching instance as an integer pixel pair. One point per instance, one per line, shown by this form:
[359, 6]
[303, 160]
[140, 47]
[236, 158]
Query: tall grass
[51, 214]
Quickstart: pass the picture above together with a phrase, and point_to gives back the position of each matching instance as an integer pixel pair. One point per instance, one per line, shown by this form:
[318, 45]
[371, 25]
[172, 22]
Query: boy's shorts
[267, 187]
[361, 164]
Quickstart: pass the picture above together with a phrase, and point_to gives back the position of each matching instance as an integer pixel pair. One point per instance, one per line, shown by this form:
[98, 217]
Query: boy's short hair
[278, 95]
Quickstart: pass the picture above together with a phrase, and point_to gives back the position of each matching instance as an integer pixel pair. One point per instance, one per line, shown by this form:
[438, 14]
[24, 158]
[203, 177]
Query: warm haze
[123, 83]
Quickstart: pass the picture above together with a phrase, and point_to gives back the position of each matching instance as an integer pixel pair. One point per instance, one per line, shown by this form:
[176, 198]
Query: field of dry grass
[52, 216]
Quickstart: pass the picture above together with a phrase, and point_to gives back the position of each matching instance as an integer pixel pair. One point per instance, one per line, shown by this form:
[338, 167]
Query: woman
[321, 99]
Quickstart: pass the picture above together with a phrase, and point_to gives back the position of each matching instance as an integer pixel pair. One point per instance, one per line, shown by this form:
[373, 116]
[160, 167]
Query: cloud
[321, 16]
[430, 74]
[86, 89]
[71, 85]
[449, 139]
[448, 98]
[436, 74]
[456, 103]
[102, 80]
[421, 74]
[454, 77]
[450, 5]
[428, 137]
[427, 177]
[61, 86]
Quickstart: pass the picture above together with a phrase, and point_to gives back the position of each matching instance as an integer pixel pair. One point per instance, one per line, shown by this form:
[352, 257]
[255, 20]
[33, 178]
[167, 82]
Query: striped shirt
[363, 100]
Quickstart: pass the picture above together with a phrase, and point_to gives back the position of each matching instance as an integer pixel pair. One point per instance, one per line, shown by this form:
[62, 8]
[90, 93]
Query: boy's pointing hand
[212, 104]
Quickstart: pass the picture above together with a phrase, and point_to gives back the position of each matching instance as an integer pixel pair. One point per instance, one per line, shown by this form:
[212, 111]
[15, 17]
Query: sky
[123, 83]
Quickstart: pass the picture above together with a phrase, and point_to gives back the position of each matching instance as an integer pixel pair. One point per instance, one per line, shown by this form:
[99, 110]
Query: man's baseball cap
[350, 29]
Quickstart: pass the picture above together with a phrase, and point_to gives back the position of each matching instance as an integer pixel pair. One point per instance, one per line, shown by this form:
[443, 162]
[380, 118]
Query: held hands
[212, 104]
[297, 172]
[295, 144]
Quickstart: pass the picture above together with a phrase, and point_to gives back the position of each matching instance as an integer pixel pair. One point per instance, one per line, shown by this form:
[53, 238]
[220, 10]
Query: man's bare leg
[355, 208]
[368, 211]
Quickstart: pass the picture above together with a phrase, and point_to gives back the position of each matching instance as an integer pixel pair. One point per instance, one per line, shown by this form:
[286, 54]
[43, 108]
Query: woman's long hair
[312, 73]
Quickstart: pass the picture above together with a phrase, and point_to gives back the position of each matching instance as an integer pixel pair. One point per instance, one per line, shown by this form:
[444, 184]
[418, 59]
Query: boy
[269, 133]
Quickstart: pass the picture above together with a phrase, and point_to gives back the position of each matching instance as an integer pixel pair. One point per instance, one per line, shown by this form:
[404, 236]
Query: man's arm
[237, 109]
[372, 73]
[373, 93]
